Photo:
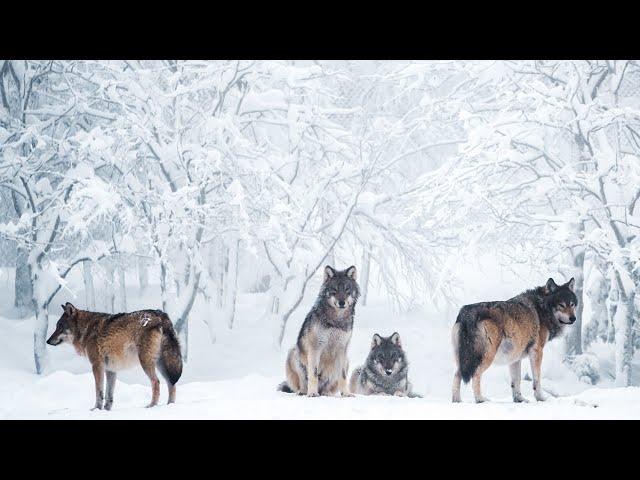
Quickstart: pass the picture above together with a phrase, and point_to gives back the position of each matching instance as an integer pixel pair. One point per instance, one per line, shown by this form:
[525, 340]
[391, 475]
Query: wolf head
[386, 357]
[64, 331]
[561, 300]
[340, 289]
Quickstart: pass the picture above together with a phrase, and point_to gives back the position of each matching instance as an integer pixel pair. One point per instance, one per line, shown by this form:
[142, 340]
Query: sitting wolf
[115, 342]
[386, 370]
[318, 365]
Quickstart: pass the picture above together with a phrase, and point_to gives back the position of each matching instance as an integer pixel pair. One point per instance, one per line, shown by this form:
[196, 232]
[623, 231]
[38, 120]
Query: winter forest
[217, 191]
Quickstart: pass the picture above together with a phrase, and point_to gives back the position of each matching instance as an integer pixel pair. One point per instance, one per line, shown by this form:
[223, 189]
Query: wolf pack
[501, 332]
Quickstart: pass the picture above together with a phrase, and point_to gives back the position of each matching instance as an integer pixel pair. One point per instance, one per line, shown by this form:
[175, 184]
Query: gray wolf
[386, 370]
[507, 331]
[317, 364]
[116, 342]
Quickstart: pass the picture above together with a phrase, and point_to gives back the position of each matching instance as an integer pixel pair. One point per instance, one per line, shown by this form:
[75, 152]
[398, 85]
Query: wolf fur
[386, 370]
[116, 342]
[507, 331]
[317, 364]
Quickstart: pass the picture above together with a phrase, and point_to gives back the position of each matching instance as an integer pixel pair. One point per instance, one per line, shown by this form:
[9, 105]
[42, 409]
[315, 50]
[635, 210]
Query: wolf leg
[343, 385]
[457, 379]
[477, 391]
[491, 342]
[149, 367]
[172, 393]
[355, 380]
[98, 376]
[295, 374]
[111, 385]
[514, 370]
[313, 360]
[535, 358]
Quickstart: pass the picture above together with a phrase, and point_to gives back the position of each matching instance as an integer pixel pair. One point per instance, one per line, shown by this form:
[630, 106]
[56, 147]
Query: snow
[412, 171]
[236, 377]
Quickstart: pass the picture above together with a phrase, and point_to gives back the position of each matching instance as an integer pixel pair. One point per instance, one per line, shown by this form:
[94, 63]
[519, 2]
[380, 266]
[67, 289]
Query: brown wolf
[116, 342]
[507, 331]
[318, 364]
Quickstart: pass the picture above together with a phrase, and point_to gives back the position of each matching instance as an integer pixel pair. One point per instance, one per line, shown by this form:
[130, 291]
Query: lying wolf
[116, 342]
[507, 331]
[318, 365]
[385, 371]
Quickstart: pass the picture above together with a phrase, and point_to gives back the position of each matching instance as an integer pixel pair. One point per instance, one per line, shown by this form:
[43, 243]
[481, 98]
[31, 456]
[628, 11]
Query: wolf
[317, 364]
[116, 342]
[508, 331]
[386, 370]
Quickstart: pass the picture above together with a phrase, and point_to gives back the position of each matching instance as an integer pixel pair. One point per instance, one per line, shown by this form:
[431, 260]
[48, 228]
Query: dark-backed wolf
[318, 365]
[116, 342]
[386, 370]
[508, 331]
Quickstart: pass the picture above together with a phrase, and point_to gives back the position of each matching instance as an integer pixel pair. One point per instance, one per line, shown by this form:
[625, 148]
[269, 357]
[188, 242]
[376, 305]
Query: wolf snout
[52, 342]
[342, 303]
[388, 371]
[572, 319]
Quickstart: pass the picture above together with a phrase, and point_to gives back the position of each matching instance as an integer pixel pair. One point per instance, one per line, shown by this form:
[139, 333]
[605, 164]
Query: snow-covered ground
[236, 376]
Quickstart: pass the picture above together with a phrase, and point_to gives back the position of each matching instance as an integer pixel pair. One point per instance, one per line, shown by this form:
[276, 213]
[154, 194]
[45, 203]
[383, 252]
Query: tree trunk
[183, 338]
[89, 291]
[110, 294]
[234, 255]
[40, 338]
[624, 337]
[143, 274]
[221, 274]
[122, 289]
[574, 333]
[163, 286]
[23, 288]
[613, 298]
[364, 279]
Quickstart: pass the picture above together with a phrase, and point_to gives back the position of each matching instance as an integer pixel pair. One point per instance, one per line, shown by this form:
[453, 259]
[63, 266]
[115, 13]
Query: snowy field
[235, 377]
[218, 191]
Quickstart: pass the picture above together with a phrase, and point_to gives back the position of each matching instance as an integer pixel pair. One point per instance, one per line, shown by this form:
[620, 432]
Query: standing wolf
[385, 371]
[507, 332]
[116, 342]
[318, 365]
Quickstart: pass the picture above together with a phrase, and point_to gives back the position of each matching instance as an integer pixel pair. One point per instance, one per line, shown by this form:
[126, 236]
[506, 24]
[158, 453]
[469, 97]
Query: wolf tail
[284, 387]
[170, 361]
[470, 347]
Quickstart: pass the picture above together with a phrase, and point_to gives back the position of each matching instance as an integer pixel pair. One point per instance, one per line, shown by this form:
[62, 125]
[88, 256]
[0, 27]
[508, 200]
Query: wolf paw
[97, 407]
[519, 399]
[347, 394]
[313, 394]
[151, 405]
[456, 399]
[540, 397]
[481, 399]
[107, 406]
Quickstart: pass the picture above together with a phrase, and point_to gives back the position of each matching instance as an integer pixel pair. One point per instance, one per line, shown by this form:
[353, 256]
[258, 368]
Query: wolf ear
[377, 340]
[550, 286]
[395, 338]
[572, 284]
[329, 272]
[69, 309]
[351, 272]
